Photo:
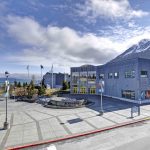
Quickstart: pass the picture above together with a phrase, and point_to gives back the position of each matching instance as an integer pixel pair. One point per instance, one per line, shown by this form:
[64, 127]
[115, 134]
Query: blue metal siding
[114, 86]
[144, 65]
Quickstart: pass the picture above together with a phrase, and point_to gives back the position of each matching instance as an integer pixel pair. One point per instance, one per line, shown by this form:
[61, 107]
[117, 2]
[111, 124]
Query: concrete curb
[80, 135]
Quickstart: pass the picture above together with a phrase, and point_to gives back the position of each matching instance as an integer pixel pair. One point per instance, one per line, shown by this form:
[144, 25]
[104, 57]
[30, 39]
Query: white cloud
[65, 47]
[110, 8]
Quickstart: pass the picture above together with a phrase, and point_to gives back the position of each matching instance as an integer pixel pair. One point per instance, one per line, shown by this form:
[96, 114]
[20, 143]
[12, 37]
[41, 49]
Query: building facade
[83, 79]
[129, 79]
[55, 80]
[126, 79]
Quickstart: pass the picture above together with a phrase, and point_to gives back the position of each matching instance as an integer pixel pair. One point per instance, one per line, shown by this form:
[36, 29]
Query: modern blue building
[126, 77]
[55, 80]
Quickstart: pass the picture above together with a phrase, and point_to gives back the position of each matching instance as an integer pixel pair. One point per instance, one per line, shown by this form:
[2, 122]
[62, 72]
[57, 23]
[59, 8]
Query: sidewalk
[32, 123]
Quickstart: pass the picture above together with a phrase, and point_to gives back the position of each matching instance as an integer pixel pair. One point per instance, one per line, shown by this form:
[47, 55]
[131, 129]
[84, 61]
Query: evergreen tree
[43, 85]
[64, 85]
[24, 84]
[19, 84]
[68, 85]
[41, 91]
[15, 83]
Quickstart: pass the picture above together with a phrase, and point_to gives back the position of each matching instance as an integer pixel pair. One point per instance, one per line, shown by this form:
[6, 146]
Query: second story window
[110, 75]
[101, 76]
[116, 75]
[144, 74]
[130, 74]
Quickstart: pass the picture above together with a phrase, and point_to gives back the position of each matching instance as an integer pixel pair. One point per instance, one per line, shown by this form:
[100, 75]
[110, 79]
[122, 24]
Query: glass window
[116, 75]
[130, 74]
[75, 77]
[92, 90]
[75, 90]
[83, 90]
[144, 74]
[101, 76]
[128, 94]
[110, 75]
[91, 77]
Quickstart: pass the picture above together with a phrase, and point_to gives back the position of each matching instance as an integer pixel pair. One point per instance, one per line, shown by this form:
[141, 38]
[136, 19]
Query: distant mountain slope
[140, 50]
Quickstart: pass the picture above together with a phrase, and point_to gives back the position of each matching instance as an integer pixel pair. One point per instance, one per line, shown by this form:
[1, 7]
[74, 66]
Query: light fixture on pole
[6, 124]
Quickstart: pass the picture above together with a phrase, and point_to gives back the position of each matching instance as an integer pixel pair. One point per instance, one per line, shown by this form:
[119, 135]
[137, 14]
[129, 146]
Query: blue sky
[67, 32]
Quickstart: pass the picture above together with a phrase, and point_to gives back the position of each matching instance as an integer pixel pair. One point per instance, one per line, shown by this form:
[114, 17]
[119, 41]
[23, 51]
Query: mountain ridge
[139, 50]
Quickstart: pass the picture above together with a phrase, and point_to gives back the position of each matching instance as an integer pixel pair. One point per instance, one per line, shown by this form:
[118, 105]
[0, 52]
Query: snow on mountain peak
[142, 46]
[144, 41]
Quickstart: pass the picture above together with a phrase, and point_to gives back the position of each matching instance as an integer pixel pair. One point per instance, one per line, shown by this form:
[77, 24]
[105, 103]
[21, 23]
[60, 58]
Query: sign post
[135, 110]
[101, 90]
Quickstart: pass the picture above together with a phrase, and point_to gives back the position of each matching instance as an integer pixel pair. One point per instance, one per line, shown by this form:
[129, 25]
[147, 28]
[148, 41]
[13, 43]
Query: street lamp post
[6, 124]
[101, 90]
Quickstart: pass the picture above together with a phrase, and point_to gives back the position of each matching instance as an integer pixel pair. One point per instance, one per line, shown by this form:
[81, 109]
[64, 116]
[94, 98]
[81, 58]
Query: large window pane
[128, 94]
[116, 75]
[101, 76]
[130, 74]
[144, 74]
[110, 75]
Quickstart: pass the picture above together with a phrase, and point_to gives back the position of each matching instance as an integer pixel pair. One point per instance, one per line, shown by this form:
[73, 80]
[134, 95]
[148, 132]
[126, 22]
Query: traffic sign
[101, 86]
[101, 90]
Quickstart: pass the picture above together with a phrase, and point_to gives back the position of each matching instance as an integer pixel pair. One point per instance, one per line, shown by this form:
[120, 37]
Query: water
[11, 80]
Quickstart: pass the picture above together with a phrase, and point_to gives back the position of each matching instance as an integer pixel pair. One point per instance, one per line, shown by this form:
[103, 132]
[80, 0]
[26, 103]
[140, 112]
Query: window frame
[110, 75]
[145, 75]
[116, 77]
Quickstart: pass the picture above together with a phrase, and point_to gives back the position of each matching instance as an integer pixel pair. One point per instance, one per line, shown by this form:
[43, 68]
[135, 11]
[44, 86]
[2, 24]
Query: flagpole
[52, 75]
[65, 74]
[28, 72]
[41, 74]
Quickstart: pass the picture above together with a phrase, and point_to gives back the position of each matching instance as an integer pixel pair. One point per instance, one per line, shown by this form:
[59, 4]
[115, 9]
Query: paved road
[128, 138]
[30, 123]
[140, 144]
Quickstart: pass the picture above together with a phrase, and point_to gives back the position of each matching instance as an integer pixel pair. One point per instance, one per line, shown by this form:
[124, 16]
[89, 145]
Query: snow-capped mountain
[141, 50]
[142, 46]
